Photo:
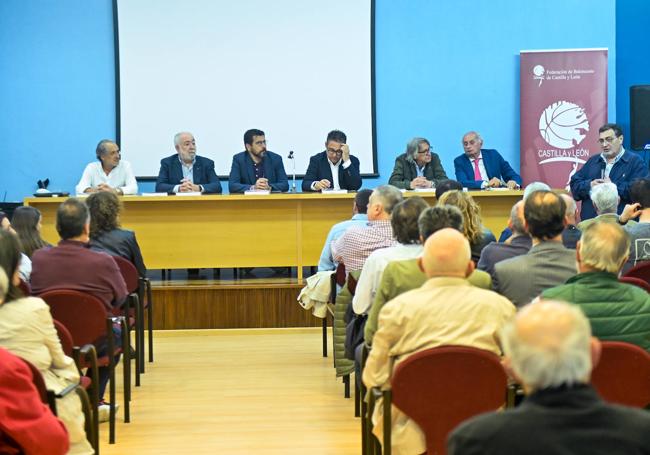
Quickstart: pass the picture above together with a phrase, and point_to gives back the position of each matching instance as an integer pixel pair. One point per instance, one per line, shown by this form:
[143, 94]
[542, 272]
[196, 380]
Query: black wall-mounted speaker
[640, 117]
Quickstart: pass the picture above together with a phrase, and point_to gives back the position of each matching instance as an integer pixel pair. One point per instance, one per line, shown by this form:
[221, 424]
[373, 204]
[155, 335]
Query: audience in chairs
[105, 231]
[402, 276]
[571, 233]
[356, 244]
[25, 269]
[26, 221]
[478, 235]
[548, 263]
[617, 311]
[72, 265]
[27, 330]
[550, 351]
[446, 310]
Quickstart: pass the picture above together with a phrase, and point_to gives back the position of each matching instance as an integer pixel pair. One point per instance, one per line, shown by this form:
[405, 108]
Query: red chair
[441, 387]
[85, 317]
[89, 384]
[623, 374]
[133, 306]
[641, 270]
[636, 282]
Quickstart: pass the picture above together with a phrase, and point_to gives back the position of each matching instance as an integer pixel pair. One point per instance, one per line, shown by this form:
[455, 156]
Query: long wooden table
[219, 231]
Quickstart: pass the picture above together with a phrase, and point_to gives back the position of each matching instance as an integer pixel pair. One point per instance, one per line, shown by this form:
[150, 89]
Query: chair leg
[357, 398]
[111, 385]
[149, 319]
[325, 336]
[126, 369]
[138, 339]
[346, 386]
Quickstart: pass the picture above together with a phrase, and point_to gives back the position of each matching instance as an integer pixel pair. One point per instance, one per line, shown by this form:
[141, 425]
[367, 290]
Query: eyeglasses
[335, 152]
[608, 139]
[422, 152]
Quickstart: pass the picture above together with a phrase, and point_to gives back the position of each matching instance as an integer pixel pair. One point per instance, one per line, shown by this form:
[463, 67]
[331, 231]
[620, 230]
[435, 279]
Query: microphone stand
[293, 162]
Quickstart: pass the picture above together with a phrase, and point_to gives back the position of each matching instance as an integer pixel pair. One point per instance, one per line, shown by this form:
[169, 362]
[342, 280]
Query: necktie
[477, 171]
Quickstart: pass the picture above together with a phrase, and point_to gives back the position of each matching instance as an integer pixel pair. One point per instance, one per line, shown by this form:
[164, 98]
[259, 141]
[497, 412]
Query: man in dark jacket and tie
[186, 172]
[333, 169]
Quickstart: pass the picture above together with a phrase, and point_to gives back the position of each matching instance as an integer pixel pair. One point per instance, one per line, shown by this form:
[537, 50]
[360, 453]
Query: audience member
[359, 218]
[356, 244]
[417, 167]
[530, 189]
[110, 173]
[185, 171]
[550, 351]
[26, 221]
[72, 265]
[614, 164]
[402, 276]
[447, 185]
[480, 168]
[605, 199]
[405, 229]
[548, 263]
[257, 168]
[27, 330]
[446, 310]
[26, 424]
[473, 229]
[571, 233]
[106, 234]
[333, 169]
[639, 232]
[518, 243]
[617, 311]
[25, 268]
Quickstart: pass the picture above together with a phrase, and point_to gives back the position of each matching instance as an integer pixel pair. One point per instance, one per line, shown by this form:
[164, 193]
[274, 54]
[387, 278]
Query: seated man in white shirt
[109, 174]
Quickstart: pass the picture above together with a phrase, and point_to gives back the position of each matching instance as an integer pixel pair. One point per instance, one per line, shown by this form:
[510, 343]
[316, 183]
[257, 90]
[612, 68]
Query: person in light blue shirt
[359, 218]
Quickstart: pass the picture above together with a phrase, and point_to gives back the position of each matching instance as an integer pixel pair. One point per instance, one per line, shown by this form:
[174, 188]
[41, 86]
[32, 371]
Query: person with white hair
[446, 310]
[550, 351]
[418, 167]
[605, 199]
[617, 311]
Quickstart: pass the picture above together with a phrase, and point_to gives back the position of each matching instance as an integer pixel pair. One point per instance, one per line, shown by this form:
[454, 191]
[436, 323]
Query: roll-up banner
[563, 102]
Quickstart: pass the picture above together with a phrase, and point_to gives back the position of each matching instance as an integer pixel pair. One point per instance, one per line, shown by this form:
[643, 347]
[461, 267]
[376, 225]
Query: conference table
[236, 230]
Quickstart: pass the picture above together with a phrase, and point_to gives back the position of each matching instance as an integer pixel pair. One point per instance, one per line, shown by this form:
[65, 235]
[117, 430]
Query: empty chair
[622, 375]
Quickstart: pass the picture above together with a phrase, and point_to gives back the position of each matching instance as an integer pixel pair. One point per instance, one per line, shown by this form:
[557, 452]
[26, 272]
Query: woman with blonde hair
[473, 229]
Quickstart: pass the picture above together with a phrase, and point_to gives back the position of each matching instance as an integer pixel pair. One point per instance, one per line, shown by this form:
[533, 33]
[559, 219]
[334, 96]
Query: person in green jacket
[402, 276]
[617, 311]
[418, 167]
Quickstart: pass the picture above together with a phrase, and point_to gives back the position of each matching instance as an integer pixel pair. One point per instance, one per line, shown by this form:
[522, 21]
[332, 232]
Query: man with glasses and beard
[333, 169]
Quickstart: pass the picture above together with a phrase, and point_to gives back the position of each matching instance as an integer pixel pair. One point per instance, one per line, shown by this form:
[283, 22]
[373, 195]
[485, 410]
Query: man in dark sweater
[550, 351]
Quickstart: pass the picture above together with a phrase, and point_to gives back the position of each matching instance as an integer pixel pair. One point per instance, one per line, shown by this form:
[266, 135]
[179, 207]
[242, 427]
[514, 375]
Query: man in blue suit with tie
[480, 168]
[333, 169]
[186, 172]
[257, 168]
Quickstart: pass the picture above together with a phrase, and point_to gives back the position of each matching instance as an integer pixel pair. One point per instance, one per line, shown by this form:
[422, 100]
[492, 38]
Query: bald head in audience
[447, 253]
[571, 208]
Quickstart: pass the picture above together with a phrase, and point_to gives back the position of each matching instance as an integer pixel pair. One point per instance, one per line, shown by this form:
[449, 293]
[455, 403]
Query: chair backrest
[25, 287]
[340, 274]
[441, 387]
[84, 315]
[641, 270]
[65, 337]
[636, 282]
[623, 374]
[129, 273]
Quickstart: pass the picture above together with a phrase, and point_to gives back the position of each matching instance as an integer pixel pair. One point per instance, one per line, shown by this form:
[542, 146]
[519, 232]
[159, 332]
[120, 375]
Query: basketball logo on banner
[563, 102]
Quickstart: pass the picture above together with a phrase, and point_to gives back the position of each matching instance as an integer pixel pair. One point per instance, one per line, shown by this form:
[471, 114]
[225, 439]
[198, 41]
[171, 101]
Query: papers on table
[425, 190]
[189, 193]
[256, 192]
[154, 194]
[335, 191]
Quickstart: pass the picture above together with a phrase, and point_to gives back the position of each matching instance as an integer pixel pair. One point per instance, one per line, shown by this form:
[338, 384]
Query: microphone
[602, 169]
[293, 161]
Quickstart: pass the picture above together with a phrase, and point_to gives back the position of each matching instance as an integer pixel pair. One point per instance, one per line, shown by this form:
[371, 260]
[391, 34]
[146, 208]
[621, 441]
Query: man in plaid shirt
[354, 247]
